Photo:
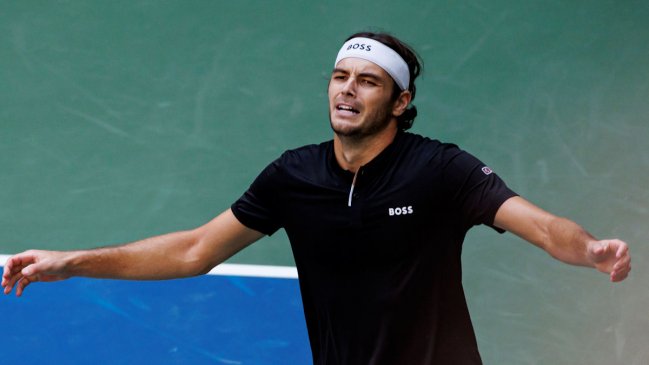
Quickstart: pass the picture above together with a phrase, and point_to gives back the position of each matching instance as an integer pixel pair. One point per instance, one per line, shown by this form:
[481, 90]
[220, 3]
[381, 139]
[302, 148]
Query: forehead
[354, 65]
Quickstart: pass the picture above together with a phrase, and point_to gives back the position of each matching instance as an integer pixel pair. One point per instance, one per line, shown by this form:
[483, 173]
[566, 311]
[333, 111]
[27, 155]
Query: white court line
[260, 271]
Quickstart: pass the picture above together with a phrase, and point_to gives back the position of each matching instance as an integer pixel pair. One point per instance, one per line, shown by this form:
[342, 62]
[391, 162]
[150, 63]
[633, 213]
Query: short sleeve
[257, 208]
[476, 192]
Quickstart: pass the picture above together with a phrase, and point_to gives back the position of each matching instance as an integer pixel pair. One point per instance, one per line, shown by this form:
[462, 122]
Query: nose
[349, 87]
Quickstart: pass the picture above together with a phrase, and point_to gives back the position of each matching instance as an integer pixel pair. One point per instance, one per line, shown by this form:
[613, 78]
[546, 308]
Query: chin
[345, 129]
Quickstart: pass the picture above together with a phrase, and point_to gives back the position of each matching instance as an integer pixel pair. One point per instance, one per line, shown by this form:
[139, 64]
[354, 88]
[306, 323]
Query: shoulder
[307, 152]
[419, 142]
[305, 156]
[300, 162]
[444, 160]
[291, 166]
[428, 150]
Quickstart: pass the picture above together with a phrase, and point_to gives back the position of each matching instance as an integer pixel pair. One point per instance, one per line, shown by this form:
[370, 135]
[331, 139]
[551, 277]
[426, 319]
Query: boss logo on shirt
[400, 210]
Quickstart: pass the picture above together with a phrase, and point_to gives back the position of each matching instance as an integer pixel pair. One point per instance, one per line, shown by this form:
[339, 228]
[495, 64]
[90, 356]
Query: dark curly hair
[414, 63]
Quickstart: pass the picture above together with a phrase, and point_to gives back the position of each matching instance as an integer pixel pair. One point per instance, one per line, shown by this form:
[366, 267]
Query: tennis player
[376, 218]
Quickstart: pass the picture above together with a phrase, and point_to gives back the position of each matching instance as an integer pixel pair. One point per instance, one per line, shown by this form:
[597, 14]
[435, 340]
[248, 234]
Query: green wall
[124, 119]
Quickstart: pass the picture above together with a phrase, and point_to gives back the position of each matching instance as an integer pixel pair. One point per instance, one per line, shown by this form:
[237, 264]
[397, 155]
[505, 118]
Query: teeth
[347, 108]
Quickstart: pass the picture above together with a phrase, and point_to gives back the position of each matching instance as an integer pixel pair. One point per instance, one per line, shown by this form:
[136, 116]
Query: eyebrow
[362, 74]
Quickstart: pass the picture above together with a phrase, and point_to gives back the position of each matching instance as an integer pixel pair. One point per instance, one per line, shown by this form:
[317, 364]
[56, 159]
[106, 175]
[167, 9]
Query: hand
[32, 266]
[611, 257]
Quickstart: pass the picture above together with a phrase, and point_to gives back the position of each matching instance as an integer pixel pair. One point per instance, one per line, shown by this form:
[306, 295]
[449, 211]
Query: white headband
[380, 54]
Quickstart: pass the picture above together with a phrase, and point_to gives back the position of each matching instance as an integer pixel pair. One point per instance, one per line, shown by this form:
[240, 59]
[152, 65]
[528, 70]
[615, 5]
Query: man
[376, 219]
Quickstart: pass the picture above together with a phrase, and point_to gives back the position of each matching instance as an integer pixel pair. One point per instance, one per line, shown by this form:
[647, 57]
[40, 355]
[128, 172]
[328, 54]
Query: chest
[382, 218]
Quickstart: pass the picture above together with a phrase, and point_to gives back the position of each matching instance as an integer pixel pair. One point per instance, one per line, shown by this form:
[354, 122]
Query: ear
[401, 103]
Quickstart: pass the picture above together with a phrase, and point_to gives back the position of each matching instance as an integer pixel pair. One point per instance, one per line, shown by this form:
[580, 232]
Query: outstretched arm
[563, 239]
[174, 255]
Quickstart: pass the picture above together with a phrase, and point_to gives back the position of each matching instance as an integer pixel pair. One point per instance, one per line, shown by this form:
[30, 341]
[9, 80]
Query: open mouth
[347, 108]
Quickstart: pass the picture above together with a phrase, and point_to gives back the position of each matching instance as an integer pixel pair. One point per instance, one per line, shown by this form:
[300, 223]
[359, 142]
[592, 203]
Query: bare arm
[563, 239]
[174, 255]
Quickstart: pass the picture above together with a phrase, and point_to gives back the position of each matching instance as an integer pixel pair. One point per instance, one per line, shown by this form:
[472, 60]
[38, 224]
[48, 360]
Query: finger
[35, 269]
[617, 277]
[6, 288]
[622, 250]
[16, 264]
[623, 262]
[602, 248]
[8, 269]
[22, 284]
[11, 276]
[11, 282]
[620, 275]
[620, 271]
[5, 272]
[599, 252]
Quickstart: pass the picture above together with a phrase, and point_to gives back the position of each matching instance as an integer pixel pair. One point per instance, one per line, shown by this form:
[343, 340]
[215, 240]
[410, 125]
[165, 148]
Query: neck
[354, 152]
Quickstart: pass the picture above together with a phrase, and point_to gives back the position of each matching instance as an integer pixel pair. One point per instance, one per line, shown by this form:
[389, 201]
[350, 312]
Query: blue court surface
[213, 319]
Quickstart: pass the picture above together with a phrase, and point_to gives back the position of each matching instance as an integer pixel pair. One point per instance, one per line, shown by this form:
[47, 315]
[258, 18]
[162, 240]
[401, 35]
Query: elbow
[200, 258]
[205, 264]
[197, 265]
[194, 260]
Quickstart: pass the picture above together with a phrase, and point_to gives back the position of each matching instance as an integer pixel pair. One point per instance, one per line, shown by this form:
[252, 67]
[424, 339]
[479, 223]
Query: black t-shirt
[379, 265]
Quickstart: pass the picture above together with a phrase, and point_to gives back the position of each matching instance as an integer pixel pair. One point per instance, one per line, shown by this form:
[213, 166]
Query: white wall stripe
[261, 271]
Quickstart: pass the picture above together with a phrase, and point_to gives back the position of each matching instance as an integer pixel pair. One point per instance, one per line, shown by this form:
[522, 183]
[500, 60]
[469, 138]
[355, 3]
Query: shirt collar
[376, 165]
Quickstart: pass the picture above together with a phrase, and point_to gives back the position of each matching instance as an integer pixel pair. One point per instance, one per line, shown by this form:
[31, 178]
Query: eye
[368, 82]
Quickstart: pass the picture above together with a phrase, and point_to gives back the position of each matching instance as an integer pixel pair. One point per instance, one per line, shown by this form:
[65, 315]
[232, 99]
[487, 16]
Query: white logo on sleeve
[487, 170]
[400, 210]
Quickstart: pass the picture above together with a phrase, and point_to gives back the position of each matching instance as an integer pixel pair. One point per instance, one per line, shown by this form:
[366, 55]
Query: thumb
[28, 271]
[34, 269]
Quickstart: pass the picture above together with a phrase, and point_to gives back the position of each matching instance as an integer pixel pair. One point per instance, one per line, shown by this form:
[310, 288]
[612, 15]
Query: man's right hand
[32, 266]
